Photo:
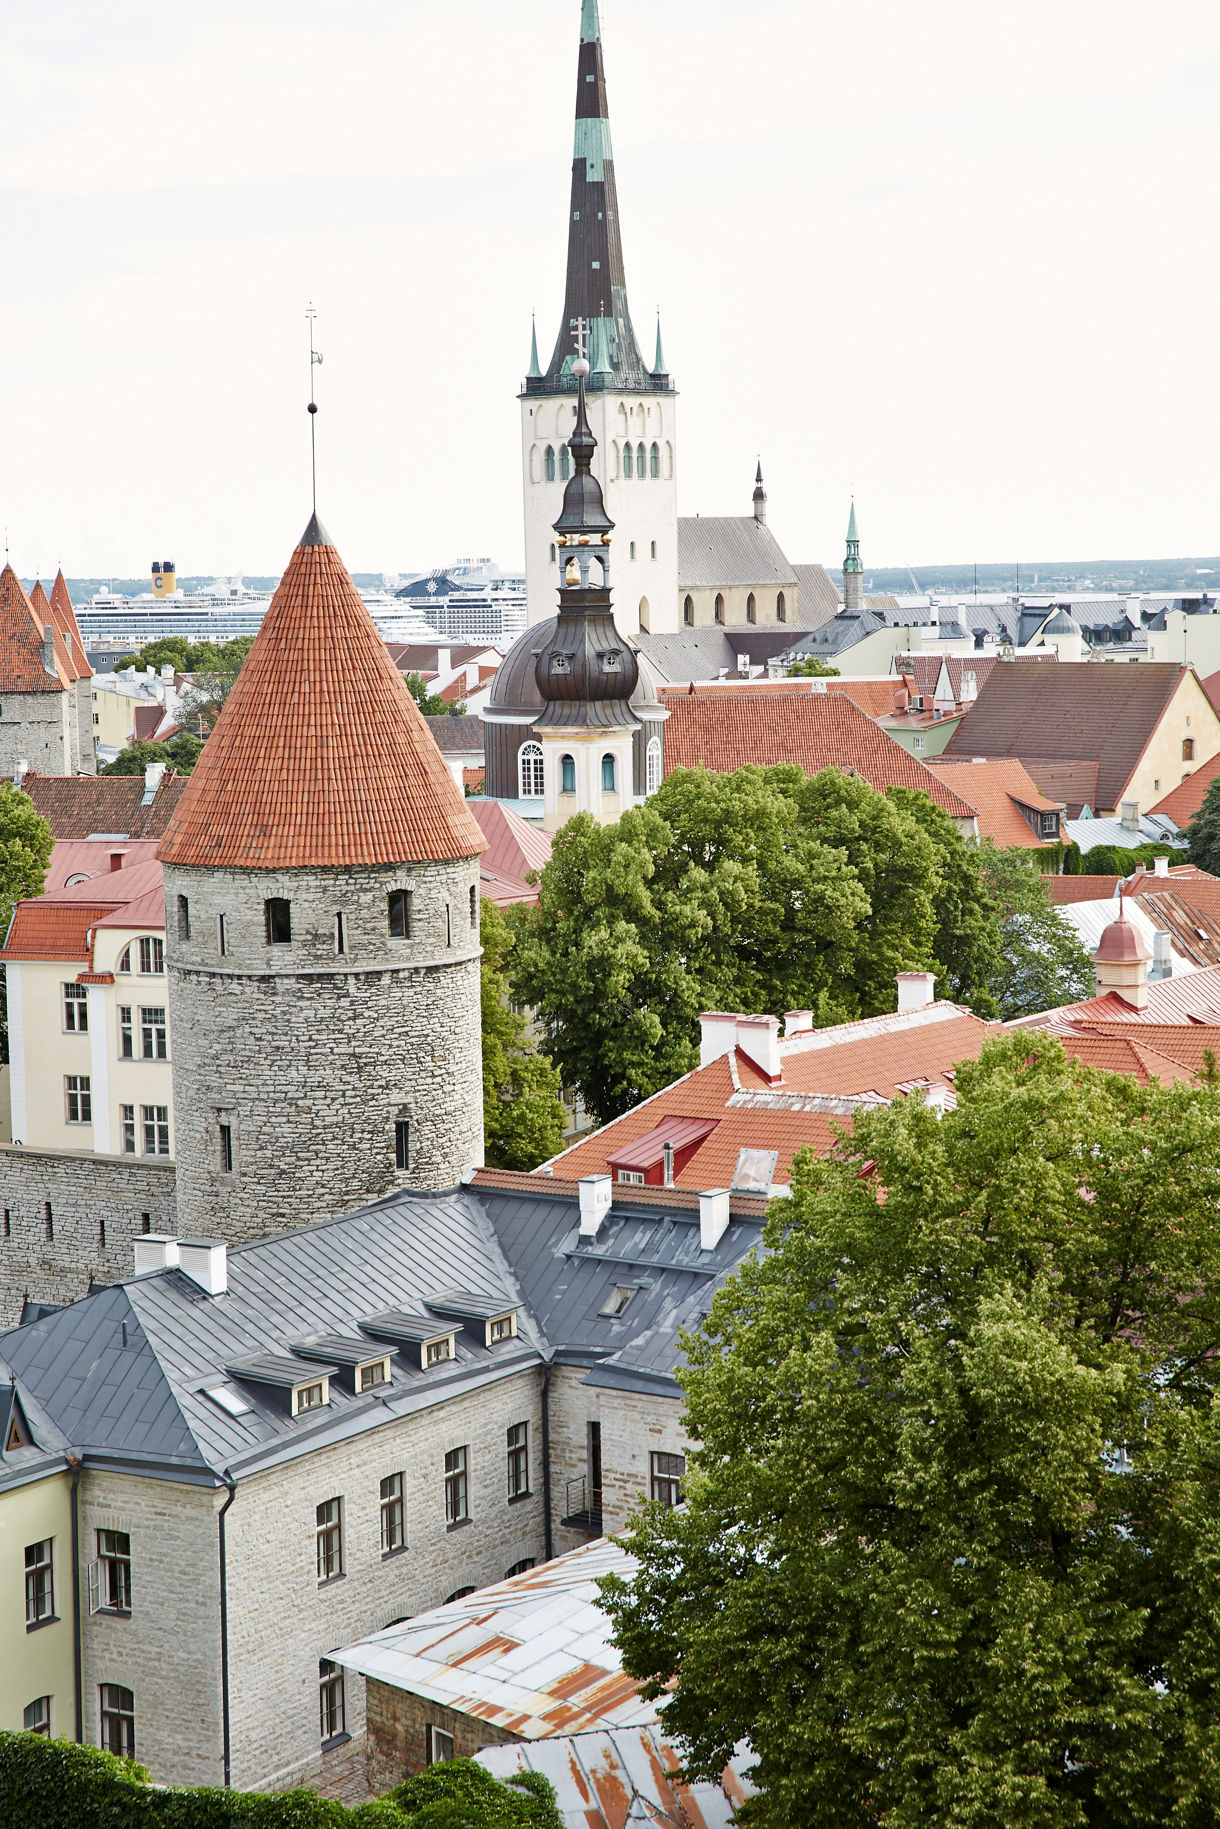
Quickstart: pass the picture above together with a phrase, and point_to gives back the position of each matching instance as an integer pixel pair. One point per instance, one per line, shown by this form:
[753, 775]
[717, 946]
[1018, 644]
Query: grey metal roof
[567, 1280]
[729, 550]
[47, 1448]
[124, 1372]
[818, 596]
[457, 736]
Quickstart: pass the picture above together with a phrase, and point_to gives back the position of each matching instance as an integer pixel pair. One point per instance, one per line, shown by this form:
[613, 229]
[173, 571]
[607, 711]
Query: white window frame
[152, 950]
[457, 1485]
[303, 1400]
[154, 1032]
[430, 1355]
[154, 1122]
[127, 1123]
[393, 1503]
[531, 771]
[439, 1745]
[653, 764]
[78, 1096]
[501, 1327]
[328, 1534]
[372, 1373]
[76, 1009]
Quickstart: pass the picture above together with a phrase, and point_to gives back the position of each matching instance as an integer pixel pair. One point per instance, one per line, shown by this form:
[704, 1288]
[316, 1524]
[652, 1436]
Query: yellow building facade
[37, 1590]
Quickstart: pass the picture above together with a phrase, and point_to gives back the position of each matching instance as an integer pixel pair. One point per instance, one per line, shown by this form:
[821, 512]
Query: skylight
[229, 1398]
[618, 1300]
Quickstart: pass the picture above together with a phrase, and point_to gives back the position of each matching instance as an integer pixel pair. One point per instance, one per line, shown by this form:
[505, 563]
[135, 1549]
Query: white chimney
[717, 1036]
[154, 774]
[1160, 866]
[595, 1192]
[206, 1262]
[758, 1036]
[916, 990]
[1130, 812]
[20, 771]
[1162, 954]
[155, 1251]
[667, 1159]
[797, 1022]
[713, 1217]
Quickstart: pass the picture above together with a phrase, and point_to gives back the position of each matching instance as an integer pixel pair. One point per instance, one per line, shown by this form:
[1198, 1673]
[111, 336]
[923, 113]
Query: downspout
[231, 1483]
[548, 1543]
[78, 1675]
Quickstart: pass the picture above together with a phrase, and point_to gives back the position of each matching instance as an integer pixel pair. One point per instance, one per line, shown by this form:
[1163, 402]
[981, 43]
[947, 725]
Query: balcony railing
[584, 1506]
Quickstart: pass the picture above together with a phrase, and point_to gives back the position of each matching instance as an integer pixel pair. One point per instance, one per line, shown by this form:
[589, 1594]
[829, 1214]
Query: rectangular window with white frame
[439, 1745]
[78, 1098]
[152, 956]
[393, 1522]
[127, 1037]
[154, 1039]
[110, 1573]
[39, 1583]
[117, 1706]
[127, 1118]
[330, 1540]
[457, 1486]
[155, 1119]
[36, 1717]
[332, 1709]
[519, 1461]
[76, 1010]
[667, 1473]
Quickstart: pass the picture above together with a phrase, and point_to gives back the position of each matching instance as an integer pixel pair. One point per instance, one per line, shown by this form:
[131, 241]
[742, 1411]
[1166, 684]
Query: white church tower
[631, 408]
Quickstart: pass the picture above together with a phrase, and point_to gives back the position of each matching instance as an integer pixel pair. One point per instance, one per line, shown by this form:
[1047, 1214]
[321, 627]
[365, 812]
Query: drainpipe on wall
[78, 1674]
[548, 1544]
[231, 1483]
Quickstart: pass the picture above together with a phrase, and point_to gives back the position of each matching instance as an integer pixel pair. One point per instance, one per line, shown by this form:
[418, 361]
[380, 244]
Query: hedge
[54, 1784]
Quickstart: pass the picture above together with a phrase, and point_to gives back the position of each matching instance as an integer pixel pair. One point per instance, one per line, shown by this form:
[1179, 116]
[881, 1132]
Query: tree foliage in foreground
[51, 1784]
[1203, 832]
[523, 1120]
[951, 1548]
[25, 851]
[1042, 963]
[180, 754]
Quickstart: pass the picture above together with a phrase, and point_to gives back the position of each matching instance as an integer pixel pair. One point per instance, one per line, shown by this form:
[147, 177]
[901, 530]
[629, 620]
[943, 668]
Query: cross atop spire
[596, 288]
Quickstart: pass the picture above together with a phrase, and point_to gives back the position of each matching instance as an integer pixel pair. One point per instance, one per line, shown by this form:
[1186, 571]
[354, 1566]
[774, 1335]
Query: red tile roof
[77, 806]
[64, 618]
[55, 925]
[21, 643]
[725, 730]
[320, 756]
[91, 858]
[1077, 711]
[994, 789]
[514, 846]
[1122, 1054]
[1065, 890]
[1182, 802]
[874, 697]
[1190, 997]
[1211, 686]
[1186, 1043]
[1074, 783]
[51, 930]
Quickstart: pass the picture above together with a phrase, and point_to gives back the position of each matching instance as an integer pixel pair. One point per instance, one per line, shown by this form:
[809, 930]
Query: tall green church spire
[658, 367]
[852, 561]
[535, 373]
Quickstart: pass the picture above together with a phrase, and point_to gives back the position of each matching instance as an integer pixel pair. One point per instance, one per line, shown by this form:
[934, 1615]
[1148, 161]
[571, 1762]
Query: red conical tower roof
[320, 757]
[64, 617]
[21, 642]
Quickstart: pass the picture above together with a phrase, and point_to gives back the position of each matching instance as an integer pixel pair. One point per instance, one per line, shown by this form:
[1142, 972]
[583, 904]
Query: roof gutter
[77, 1671]
[548, 1541]
[231, 1483]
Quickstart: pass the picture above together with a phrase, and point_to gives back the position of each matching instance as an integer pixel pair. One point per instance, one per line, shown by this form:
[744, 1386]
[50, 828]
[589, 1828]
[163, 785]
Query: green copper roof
[534, 368]
[590, 24]
[851, 523]
[852, 562]
[593, 146]
[658, 367]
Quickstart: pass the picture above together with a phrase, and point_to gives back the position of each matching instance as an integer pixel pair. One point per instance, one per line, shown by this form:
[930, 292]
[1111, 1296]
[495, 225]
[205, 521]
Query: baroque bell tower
[631, 407]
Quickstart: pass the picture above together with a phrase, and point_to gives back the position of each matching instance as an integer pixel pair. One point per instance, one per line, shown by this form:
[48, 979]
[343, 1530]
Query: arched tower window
[628, 460]
[654, 461]
[688, 612]
[565, 463]
[781, 608]
[719, 607]
[652, 766]
[669, 461]
[550, 463]
[608, 775]
[645, 612]
[567, 775]
[1188, 749]
[751, 609]
[529, 771]
[641, 462]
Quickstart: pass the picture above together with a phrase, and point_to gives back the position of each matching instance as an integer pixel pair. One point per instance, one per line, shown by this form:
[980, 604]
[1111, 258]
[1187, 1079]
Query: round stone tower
[322, 932]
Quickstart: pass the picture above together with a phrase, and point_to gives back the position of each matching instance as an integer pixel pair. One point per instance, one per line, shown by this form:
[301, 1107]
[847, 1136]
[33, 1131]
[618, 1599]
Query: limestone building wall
[35, 727]
[98, 1205]
[698, 605]
[634, 1425]
[398, 1724]
[311, 1055]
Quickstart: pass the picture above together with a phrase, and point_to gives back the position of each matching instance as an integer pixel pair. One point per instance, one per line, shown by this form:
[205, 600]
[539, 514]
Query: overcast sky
[960, 260]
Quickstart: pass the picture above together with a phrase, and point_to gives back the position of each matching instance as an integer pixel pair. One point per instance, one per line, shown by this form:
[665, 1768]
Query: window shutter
[95, 1586]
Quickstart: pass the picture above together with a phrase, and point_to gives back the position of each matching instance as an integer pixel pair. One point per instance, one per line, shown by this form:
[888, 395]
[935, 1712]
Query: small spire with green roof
[535, 371]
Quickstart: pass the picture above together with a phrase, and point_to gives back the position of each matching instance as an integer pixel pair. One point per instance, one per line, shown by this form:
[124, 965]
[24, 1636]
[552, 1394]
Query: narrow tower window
[448, 924]
[608, 775]
[340, 934]
[628, 460]
[719, 607]
[781, 608]
[688, 612]
[402, 1144]
[222, 938]
[184, 918]
[751, 609]
[567, 775]
[474, 906]
[399, 905]
[641, 461]
[565, 464]
[631, 550]
[652, 777]
[226, 1149]
[550, 463]
[654, 549]
[654, 465]
[277, 913]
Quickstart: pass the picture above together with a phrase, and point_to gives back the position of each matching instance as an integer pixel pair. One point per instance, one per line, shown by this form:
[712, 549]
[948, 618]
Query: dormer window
[561, 663]
[501, 1327]
[436, 1351]
[313, 1396]
[612, 660]
[377, 1371]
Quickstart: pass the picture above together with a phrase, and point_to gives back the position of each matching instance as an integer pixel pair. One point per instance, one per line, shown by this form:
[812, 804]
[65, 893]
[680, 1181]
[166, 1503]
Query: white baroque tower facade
[322, 932]
[632, 409]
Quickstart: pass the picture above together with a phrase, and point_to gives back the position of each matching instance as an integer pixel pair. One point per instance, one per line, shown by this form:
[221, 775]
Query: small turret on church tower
[632, 408]
[760, 498]
[584, 670]
[853, 584]
[322, 931]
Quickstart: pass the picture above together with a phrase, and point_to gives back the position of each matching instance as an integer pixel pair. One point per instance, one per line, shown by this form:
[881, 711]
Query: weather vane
[315, 360]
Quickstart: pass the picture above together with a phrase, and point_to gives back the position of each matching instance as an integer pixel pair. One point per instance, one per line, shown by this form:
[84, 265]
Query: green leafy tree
[431, 703]
[180, 754]
[190, 656]
[1203, 832]
[968, 945]
[765, 890]
[1071, 860]
[1106, 860]
[25, 851]
[1042, 963]
[949, 1550]
[523, 1119]
[811, 668]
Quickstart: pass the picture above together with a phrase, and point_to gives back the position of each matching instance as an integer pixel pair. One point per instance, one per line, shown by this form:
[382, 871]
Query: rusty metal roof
[600, 1778]
[531, 1656]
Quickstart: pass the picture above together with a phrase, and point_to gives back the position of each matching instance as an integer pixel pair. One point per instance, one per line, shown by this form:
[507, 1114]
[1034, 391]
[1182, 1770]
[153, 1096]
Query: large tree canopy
[25, 851]
[950, 1548]
[765, 890]
[1041, 961]
[180, 753]
[523, 1120]
[1203, 832]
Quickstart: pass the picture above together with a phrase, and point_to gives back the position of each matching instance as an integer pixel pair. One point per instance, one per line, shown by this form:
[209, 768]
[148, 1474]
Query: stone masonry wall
[398, 1724]
[98, 1206]
[282, 1621]
[633, 1427]
[34, 728]
[167, 1650]
[311, 1055]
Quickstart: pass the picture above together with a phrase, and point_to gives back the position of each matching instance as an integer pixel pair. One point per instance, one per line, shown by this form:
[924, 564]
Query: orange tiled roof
[54, 930]
[1182, 802]
[62, 616]
[1064, 890]
[993, 788]
[1185, 1043]
[874, 697]
[320, 756]
[1123, 1054]
[21, 639]
[77, 806]
[728, 730]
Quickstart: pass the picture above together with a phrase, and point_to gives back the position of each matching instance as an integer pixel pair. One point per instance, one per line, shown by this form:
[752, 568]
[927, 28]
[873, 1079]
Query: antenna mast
[315, 361]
